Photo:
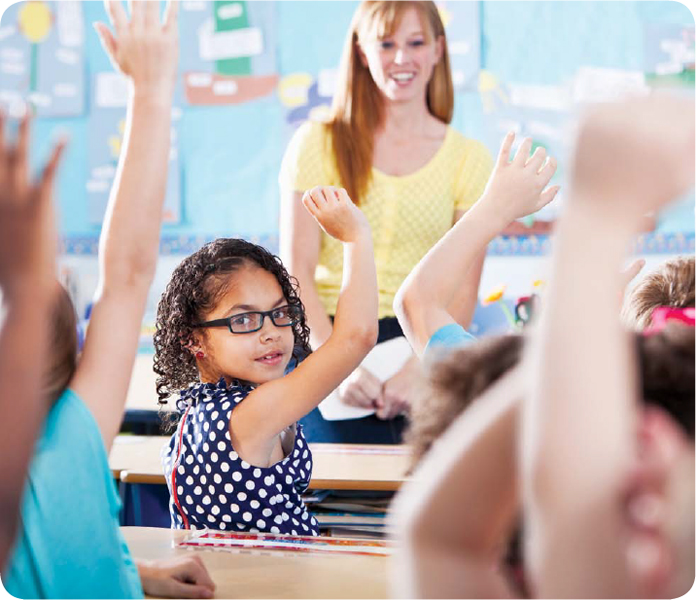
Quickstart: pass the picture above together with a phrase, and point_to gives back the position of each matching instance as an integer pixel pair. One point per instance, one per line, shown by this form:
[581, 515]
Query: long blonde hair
[358, 109]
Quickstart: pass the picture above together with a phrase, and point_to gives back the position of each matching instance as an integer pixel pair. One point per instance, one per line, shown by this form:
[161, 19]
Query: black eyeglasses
[248, 322]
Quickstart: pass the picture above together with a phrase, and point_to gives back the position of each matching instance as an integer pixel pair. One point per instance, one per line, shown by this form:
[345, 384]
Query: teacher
[389, 144]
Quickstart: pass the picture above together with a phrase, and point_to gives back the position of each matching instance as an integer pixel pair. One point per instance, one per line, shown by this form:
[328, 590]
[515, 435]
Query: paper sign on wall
[230, 44]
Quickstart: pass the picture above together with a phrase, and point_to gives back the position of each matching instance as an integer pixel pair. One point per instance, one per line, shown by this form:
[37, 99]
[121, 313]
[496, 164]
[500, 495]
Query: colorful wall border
[531, 245]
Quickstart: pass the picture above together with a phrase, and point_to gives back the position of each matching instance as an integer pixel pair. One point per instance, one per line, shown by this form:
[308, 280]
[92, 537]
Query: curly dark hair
[195, 287]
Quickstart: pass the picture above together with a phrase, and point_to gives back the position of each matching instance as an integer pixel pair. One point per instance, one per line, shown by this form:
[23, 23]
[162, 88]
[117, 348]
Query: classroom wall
[526, 65]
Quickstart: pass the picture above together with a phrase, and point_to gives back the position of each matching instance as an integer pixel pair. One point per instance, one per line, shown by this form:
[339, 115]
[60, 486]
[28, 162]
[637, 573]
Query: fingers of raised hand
[330, 194]
[171, 15]
[342, 196]
[536, 160]
[318, 196]
[151, 16]
[137, 13]
[108, 42]
[523, 152]
[548, 170]
[117, 15]
[547, 196]
[16, 168]
[45, 182]
[309, 203]
[506, 146]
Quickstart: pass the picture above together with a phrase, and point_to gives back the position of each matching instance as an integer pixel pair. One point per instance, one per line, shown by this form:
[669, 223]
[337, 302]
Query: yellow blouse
[408, 214]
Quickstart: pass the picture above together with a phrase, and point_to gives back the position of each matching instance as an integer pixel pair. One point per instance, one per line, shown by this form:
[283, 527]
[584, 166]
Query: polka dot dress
[211, 486]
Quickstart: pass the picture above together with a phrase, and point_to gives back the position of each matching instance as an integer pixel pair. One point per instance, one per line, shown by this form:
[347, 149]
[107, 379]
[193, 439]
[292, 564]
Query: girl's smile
[258, 356]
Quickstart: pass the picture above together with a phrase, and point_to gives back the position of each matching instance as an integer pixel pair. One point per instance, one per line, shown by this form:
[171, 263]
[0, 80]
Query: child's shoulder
[207, 395]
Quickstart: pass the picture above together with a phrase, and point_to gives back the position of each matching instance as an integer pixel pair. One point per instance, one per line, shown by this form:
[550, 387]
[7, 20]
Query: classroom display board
[251, 72]
[42, 58]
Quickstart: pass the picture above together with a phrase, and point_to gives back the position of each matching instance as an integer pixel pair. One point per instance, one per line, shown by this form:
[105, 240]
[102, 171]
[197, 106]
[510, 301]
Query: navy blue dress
[210, 486]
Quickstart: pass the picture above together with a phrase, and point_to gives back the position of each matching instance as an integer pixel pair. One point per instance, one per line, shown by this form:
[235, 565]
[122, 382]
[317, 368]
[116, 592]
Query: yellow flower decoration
[494, 296]
[35, 21]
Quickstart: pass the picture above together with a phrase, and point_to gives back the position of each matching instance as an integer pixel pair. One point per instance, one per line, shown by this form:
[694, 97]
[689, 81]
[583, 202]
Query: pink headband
[662, 314]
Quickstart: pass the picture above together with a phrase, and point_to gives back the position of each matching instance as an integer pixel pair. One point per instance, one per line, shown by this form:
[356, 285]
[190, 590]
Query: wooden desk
[271, 574]
[136, 459]
[140, 453]
[141, 391]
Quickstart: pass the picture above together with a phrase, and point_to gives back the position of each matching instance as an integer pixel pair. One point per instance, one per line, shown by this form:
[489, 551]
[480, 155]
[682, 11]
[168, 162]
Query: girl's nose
[269, 331]
[400, 57]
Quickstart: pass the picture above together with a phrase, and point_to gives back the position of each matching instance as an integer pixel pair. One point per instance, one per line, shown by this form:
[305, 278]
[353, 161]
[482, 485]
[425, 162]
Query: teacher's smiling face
[402, 63]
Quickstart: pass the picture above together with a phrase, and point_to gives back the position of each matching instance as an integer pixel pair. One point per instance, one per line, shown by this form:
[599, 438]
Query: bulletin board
[252, 71]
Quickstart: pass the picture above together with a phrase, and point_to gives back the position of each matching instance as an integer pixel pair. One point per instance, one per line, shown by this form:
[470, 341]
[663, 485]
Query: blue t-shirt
[446, 338]
[69, 543]
[211, 486]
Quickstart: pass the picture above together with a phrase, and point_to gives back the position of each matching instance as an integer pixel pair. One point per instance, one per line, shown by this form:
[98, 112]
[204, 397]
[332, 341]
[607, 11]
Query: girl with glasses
[228, 326]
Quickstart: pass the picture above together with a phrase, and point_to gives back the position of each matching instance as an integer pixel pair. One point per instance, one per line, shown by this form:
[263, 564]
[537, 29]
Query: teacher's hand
[361, 388]
[397, 392]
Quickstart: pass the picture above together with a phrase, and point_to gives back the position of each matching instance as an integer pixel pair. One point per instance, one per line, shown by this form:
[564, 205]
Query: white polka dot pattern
[234, 493]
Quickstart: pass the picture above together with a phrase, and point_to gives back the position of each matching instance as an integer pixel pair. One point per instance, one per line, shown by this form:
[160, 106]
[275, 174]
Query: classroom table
[136, 459]
[142, 414]
[271, 574]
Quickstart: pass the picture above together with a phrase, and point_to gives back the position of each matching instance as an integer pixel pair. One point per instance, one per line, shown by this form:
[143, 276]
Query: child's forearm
[130, 238]
[583, 368]
[319, 323]
[580, 419]
[24, 324]
[446, 573]
[357, 308]
[424, 299]
[473, 466]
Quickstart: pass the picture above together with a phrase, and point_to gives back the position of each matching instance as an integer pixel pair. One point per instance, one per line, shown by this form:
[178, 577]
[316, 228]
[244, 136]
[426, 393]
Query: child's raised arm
[27, 289]
[515, 189]
[279, 403]
[457, 515]
[579, 432]
[146, 52]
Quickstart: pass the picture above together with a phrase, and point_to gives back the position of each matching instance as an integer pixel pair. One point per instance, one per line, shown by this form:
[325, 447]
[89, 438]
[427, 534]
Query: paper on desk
[383, 361]
[268, 541]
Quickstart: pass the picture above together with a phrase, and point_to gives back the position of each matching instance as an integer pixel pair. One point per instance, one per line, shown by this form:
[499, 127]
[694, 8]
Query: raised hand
[633, 157]
[27, 232]
[335, 212]
[144, 49]
[517, 188]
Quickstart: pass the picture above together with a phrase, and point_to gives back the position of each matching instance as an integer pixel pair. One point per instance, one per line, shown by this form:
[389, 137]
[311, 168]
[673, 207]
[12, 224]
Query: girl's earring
[200, 354]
